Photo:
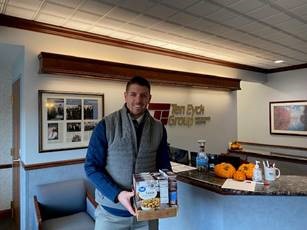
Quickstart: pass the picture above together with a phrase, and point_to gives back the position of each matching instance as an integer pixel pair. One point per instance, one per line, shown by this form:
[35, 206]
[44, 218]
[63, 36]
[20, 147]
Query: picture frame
[67, 119]
[288, 117]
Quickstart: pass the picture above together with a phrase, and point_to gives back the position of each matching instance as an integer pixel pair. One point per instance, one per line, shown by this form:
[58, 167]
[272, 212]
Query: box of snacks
[154, 195]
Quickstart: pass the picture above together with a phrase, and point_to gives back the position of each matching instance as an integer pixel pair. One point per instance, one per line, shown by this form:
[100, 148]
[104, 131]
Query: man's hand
[124, 198]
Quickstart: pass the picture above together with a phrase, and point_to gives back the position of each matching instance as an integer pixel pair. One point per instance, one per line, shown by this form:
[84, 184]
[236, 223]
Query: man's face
[137, 98]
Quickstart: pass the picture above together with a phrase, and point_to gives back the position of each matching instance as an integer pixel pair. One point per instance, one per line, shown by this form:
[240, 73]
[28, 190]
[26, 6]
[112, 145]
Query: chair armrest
[38, 216]
[91, 204]
[91, 199]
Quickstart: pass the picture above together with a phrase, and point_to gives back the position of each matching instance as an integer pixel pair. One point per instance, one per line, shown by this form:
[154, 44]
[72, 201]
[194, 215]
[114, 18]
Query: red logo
[160, 111]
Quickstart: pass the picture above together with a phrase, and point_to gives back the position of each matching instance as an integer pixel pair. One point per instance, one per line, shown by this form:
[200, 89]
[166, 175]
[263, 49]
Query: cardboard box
[152, 195]
[154, 214]
[172, 185]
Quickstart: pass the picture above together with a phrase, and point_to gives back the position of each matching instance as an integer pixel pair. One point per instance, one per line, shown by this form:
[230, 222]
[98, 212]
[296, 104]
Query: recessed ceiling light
[279, 61]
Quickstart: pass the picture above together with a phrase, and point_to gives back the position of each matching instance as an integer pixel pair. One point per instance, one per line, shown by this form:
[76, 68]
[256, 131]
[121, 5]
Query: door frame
[15, 153]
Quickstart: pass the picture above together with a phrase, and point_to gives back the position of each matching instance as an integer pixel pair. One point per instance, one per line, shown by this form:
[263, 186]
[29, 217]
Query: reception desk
[203, 204]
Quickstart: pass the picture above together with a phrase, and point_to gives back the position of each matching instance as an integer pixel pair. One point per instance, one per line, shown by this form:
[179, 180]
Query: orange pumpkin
[248, 169]
[239, 175]
[224, 170]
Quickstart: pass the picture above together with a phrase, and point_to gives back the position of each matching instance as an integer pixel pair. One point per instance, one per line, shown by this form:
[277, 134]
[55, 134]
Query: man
[127, 141]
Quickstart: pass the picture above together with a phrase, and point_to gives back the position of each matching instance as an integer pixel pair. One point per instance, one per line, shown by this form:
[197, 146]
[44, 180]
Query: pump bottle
[202, 158]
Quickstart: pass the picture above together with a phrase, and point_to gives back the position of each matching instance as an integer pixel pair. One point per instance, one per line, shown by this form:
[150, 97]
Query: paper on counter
[239, 185]
[177, 167]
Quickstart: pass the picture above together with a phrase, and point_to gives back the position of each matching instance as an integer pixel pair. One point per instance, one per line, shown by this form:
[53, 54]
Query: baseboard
[5, 214]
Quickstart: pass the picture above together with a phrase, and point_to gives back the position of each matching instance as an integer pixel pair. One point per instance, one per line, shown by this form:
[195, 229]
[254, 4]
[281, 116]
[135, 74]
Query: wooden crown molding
[51, 63]
[20, 23]
[287, 68]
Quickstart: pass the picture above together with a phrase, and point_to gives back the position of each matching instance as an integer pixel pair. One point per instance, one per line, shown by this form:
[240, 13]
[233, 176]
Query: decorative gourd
[239, 175]
[224, 170]
[248, 169]
[235, 146]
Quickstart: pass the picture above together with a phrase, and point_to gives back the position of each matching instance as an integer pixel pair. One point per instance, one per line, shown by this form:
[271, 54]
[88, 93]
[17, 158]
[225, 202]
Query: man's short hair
[139, 81]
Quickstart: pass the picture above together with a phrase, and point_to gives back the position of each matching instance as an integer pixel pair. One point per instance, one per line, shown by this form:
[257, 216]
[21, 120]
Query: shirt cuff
[116, 197]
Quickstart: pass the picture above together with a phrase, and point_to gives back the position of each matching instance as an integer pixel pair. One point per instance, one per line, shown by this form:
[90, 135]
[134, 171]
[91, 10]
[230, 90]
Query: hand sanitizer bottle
[202, 158]
[257, 174]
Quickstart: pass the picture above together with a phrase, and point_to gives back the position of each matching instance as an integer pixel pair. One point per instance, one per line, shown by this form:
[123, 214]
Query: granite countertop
[286, 185]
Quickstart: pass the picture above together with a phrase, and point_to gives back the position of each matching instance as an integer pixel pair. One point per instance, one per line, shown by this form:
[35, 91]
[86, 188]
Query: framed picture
[288, 117]
[67, 119]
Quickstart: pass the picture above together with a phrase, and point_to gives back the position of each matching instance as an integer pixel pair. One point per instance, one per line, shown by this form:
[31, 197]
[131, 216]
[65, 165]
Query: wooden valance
[51, 63]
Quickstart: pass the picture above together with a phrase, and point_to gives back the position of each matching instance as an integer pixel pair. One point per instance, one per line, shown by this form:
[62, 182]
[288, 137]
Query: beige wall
[253, 107]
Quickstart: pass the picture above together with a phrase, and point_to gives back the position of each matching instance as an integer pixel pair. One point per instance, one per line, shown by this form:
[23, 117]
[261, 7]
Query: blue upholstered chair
[65, 205]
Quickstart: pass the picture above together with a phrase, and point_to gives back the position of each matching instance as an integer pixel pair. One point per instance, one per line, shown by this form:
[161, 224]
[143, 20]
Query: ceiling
[249, 32]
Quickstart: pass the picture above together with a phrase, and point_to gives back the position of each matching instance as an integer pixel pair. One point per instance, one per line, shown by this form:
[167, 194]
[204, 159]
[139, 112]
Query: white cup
[271, 173]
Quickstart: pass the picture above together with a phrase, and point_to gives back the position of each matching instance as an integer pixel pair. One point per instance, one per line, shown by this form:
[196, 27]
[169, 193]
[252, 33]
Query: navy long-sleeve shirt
[96, 161]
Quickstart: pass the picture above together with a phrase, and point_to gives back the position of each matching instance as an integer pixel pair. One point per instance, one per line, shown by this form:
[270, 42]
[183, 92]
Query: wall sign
[179, 115]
